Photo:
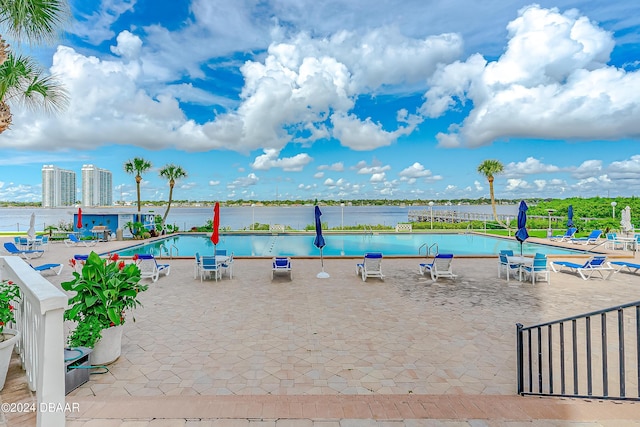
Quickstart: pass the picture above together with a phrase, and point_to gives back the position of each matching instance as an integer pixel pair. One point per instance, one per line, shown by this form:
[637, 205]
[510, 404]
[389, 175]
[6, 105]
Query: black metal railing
[592, 355]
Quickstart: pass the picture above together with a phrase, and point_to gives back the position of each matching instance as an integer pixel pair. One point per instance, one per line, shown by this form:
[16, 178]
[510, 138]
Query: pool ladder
[163, 248]
[429, 248]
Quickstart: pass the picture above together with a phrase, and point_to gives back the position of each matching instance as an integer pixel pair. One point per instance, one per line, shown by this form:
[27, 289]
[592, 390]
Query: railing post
[40, 316]
[519, 358]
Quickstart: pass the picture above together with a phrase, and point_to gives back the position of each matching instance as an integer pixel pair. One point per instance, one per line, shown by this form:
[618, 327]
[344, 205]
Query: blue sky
[340, 99]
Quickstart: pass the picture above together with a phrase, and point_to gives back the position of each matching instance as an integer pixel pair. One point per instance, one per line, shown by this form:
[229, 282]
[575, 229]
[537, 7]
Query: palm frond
[34, 21]
[23, 81]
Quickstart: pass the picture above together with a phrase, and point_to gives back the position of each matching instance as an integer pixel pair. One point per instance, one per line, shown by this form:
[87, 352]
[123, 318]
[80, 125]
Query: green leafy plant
[104, 289]
[9, 294]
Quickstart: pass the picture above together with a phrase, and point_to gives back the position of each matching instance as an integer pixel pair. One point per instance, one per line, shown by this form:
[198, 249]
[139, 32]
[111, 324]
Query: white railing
[39, 317]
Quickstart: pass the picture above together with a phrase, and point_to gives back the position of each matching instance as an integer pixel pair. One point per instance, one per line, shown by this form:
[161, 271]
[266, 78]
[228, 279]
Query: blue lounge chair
[24, 253]
[625, 266]
[56, 268]
[150, 269]
[73, 240]
[567, 236]
[371, 266]
[597, 263]
[592, 239]
[440, 267]
[281, 264]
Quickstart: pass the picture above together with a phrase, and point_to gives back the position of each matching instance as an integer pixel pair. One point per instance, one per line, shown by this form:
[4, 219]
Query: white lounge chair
[281, 264]
[150, 269]
[73, 240]
[539, 267]
[371, 266]
[440, 267]
[597, 263]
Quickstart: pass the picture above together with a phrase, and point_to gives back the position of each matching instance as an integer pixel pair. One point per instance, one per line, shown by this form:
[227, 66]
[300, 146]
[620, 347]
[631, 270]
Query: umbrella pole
[322, 274]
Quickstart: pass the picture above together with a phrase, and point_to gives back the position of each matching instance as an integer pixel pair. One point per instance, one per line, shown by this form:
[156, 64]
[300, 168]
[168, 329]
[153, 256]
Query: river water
[236, 218]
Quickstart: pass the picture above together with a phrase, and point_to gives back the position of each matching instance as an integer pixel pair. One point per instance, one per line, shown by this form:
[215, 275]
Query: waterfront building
[97, 186]
[58, 187]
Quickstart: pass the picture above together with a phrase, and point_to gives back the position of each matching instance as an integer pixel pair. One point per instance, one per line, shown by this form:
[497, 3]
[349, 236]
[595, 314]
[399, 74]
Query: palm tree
[21, 79]
[489, 168]
[172, 173]
[137, 166]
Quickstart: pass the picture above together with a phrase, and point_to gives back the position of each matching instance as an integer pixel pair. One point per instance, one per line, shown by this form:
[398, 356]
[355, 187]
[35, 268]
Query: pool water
[410, 244]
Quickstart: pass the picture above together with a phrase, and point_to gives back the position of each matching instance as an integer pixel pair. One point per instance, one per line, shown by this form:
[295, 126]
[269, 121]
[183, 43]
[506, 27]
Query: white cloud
[270, 160]
[531, 166]
[412, 173]
[364, 169]
[515, 184]
[377, 177]
[553, 72]
[97, 27]
[318, 175]
[540, 184]
[245, 181]
[362, 135]
[588, 168]
[625, 169]
[336, 167]
[128, 46]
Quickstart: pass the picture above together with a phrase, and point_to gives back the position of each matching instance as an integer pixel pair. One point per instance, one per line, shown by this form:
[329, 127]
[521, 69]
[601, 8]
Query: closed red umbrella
[215, 236]
[79, 225]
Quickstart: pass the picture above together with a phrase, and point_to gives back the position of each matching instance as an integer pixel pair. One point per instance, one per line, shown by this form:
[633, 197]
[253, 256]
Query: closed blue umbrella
[319, 241]
[570, 216]
[522, 234]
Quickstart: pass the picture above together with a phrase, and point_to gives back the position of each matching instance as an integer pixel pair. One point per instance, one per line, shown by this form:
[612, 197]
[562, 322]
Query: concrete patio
[337, 351]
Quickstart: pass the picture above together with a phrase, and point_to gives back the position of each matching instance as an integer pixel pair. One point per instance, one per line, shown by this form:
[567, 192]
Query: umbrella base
[323, 275]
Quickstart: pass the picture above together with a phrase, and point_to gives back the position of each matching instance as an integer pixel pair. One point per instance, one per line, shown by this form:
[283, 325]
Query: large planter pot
[108, 348]
[11, 337]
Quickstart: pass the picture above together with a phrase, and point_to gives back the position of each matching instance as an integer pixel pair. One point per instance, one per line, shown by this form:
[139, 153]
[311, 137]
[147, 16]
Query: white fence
[39, 317]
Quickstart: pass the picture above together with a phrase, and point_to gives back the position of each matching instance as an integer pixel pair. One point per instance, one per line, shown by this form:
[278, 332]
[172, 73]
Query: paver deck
[403, 351]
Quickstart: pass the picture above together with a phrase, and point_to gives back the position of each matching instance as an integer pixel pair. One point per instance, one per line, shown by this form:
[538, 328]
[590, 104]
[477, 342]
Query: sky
[341, 99]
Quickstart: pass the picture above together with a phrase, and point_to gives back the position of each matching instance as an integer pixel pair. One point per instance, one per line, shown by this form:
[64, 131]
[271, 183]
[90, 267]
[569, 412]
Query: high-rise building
[97, 186]
[58, 187]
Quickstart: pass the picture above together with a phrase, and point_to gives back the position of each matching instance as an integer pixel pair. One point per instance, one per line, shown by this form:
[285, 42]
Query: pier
[453, 216]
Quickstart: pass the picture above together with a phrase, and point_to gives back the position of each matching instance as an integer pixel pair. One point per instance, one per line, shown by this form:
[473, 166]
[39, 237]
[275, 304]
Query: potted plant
[9, 295]
[104, 290]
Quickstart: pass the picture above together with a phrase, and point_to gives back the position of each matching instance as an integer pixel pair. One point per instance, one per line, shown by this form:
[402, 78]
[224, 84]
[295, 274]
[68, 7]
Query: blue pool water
[267, 245]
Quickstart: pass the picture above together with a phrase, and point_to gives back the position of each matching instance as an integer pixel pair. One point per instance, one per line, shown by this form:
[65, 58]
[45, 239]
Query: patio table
[520, 260]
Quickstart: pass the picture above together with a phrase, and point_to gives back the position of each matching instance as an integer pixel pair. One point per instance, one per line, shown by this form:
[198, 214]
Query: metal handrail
[550, 354]
[428, 248]
[422, 246]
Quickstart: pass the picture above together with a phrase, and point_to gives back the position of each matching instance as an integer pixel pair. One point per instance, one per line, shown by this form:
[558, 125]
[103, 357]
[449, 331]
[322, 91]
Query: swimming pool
[267, 245]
